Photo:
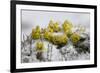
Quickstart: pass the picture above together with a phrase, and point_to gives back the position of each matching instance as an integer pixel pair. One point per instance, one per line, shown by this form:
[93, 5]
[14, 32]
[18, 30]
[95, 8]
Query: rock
[40, 56]
[84, 44]
[25, 59]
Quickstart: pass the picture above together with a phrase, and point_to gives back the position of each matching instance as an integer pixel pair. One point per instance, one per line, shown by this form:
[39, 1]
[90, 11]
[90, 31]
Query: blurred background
[32, 18]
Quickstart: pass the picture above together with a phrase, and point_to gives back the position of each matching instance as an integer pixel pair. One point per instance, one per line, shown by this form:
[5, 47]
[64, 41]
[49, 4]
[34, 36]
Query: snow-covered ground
[51, 53]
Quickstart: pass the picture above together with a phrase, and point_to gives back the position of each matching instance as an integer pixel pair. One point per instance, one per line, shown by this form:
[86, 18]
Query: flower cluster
[52, 28]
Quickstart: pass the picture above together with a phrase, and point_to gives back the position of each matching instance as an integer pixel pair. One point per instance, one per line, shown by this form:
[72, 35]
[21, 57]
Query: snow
[51, 53]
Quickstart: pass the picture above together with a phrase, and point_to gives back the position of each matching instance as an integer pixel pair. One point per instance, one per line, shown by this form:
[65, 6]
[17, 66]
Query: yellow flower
[39, 46]
[59, 39]
[67, 26]
[51, 24]
[38, 29]
[64, 38]
[50, 29]
[75, 38]
[47, 35]
[56, 27]
[36, 33]
[69, 33]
